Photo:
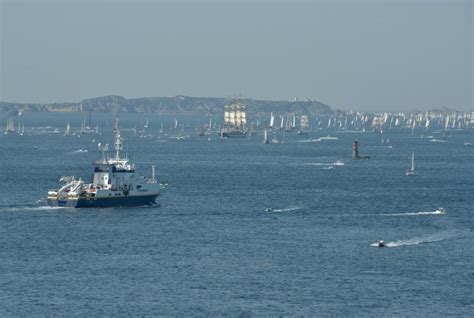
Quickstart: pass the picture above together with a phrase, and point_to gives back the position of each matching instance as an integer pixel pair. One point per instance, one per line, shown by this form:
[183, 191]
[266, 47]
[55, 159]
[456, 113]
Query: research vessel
[114, 183]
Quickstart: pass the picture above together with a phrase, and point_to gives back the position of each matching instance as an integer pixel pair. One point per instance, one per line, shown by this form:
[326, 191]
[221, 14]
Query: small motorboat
[381, 243]
[440, 210]
[268, 209]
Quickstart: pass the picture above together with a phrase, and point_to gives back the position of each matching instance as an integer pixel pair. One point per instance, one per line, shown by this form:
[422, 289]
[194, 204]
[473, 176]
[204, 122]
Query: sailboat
[67, 129]
[303, 125]
[411, 171]
[272, 120]
[83, 126]
[10, 129]
[265, 136]
[282, 123]
[235, 121]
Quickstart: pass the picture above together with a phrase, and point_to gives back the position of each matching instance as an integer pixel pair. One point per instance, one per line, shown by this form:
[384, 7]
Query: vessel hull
[127, 201]
[233, 134]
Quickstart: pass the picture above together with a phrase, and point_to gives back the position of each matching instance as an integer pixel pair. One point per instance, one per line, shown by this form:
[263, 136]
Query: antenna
[118, 139]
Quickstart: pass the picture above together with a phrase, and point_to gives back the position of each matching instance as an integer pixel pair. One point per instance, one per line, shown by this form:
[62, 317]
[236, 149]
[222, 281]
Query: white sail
[265, 136]
[272, 120]
[231, 118]
[304, 123]
[238, 118]
[83, 127]
[411, 171]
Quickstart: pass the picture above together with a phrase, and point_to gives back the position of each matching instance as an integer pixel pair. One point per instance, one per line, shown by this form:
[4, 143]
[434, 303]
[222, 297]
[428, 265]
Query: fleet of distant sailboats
[236, 124]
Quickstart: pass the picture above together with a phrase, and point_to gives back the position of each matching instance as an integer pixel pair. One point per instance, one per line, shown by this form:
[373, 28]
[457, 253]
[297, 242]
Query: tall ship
[234, 121]
[304, 125]
[114, 183]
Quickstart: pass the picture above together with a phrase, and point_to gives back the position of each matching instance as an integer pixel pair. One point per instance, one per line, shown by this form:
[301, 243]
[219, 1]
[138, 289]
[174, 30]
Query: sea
[241, 228]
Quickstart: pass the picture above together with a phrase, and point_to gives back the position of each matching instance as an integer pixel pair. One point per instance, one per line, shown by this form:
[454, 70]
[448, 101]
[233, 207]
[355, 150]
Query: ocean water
[213, 248]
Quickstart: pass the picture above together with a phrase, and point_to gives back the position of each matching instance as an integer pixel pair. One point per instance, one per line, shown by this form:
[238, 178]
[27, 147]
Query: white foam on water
[437, 212]
[337, 163]
[288, 209]
[30, 208]
[328, 138]
[310, 140]
[79, 151]
[419, 240]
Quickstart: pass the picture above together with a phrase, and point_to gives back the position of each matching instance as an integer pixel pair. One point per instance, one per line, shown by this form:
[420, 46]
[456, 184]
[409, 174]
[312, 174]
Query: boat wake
[30, 208]
[288, 209]
[319, 139]
[439, 211]
[310, 140]
[418, 240]
[325, 165]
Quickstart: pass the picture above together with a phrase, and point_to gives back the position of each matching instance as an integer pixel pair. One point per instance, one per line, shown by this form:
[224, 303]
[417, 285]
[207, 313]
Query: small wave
[418, 240]
[288, 209]
[437, 140]
[79, 151]
[328, 165]
[310, 140]
[319, 139]
[328, 138]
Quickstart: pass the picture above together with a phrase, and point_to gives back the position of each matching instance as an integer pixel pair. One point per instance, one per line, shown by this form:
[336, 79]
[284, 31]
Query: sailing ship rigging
[235, 121]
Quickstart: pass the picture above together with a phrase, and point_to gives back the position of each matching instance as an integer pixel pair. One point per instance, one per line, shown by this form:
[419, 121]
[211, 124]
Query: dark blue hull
[233, 134]
[127, 201]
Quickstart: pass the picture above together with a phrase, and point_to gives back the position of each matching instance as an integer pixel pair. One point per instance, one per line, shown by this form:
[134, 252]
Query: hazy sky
[361, 55]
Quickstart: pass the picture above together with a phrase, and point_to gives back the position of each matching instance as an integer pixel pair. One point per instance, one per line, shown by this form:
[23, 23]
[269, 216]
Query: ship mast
[118, 140]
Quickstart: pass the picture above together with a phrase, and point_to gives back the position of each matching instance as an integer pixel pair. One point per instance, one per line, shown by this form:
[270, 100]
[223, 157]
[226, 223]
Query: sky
[359, 55]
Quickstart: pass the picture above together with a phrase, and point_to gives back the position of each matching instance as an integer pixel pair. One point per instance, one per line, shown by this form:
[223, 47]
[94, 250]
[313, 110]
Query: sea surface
[242, 229]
